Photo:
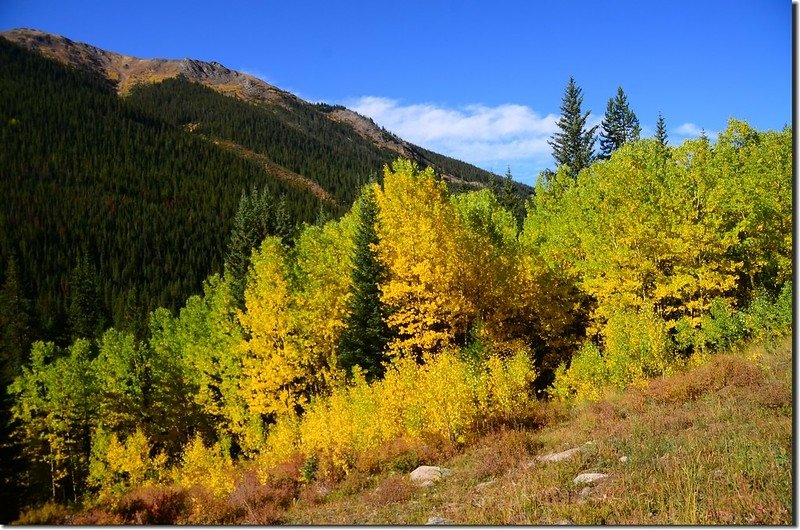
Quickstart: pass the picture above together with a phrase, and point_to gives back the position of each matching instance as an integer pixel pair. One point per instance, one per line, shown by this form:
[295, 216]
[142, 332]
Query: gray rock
[558, 457]
[425, 476]
[438, 520]
[589, 478]
[624, 459]
[564, 522]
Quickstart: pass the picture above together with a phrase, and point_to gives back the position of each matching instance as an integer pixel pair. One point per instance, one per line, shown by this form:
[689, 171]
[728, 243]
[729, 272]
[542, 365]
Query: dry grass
[712, 445]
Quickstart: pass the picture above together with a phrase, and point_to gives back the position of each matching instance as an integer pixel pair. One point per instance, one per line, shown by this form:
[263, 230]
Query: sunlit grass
[709, 446]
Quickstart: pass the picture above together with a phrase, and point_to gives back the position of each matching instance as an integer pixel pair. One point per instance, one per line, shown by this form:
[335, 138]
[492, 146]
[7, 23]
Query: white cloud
[689, 129]
[489, 137]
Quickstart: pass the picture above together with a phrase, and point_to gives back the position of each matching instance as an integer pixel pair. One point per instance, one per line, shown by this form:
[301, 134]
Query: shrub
[254, 502]
[767, 318]
[210, 467]
[721, 328]
[116, 466]
[636, 348]
[49, 513]
[446, 398]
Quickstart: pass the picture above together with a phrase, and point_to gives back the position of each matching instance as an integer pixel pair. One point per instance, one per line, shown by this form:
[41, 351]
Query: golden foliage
[421, 248]
[444, 396]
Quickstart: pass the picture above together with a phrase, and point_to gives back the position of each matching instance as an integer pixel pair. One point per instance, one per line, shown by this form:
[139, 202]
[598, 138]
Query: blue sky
[478, 80]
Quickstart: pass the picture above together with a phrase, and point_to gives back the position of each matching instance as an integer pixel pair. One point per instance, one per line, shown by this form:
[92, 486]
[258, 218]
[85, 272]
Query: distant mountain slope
[147, 184]
[124, 72]
[83, 170]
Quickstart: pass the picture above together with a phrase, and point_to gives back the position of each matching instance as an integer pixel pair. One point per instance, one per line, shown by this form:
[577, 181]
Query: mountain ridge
[124, 72]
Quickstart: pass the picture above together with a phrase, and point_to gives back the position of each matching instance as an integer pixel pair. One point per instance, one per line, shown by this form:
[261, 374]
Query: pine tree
[573, 146]
[364, 340]
[619, 125]
[86, 311]
[254, 220]
[661, 131]
[16, 332]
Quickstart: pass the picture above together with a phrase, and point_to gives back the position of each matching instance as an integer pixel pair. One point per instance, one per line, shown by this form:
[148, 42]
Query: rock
[624, 459]
[425, 476]
[589, 478]
[585, 492]
[438, 520]
[564, 522]
[558, 457]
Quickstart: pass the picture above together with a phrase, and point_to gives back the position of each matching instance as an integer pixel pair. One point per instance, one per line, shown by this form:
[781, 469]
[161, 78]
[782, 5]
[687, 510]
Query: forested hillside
[420, 318]
[86, 173]
[140, 191]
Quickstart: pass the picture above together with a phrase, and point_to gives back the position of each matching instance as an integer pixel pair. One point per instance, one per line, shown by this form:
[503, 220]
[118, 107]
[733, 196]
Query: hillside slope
[125, 72]
[709, 446]
[147, 184]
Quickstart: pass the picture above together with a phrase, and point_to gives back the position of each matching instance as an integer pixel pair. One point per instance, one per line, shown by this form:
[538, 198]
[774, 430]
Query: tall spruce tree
[661, 131]
[619, 125]
[86, 313]
[16, 331]
[254, 220]
[573, 146]
[364, 341]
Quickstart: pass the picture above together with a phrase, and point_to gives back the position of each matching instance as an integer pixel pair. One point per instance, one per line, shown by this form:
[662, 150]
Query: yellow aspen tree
[322, 262]
[421, 248]
[275, 375]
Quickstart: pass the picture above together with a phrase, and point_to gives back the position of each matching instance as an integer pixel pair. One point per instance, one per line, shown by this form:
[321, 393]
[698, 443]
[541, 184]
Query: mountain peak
[125, 70]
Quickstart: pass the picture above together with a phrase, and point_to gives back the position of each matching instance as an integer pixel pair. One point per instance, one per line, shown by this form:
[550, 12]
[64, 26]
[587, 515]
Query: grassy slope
[712, 445]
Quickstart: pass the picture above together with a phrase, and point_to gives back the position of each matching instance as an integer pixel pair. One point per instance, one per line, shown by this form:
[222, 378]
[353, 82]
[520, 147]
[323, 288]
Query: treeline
[423, 315]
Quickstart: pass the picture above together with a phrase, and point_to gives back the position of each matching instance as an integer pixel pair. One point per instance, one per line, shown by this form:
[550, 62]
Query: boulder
[425, 476]
[558, 457]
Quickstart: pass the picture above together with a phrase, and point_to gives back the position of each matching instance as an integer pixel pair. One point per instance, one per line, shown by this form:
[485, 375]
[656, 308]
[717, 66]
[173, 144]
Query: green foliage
[201, 345]
[54, 413]
[721, 328]
[366, 336]
[769, 318]
[620, 125]
[257, 217]
[635, 347]
[86, 318]
[573, 145]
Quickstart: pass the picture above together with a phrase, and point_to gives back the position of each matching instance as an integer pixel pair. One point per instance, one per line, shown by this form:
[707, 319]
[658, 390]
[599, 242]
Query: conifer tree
[16, 333]
[254, 220]
[15, 325]
[619, 125]
[364, 341]
[661, 131]
[86, 315]
[573, 146]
